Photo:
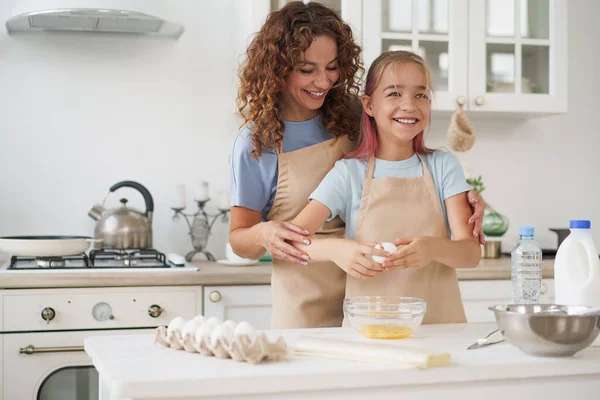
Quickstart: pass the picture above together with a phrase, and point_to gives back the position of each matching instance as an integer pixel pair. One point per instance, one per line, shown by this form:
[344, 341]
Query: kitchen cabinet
[477, 296]
[239, 303]
[493, 56]
[1, 346]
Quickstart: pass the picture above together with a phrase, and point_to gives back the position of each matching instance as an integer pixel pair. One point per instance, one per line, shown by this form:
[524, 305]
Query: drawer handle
[215, 296]
[31, 349]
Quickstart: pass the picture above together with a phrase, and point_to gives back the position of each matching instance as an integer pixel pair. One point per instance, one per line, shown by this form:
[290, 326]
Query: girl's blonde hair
[273, 54]
[367, 140]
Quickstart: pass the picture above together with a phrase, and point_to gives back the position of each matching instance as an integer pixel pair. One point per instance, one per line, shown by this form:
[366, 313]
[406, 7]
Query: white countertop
[134, 367]
[208, 273]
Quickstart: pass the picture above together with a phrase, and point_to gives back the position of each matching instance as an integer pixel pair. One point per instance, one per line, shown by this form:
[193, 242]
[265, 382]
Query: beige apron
[307, 296]
[400, 207]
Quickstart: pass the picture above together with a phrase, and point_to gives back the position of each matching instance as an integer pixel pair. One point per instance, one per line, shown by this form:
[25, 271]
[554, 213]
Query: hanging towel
[461, 135]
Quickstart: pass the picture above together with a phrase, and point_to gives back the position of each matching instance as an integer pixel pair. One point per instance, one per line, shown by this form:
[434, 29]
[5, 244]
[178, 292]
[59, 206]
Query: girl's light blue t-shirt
[341, 189]
[253, 183]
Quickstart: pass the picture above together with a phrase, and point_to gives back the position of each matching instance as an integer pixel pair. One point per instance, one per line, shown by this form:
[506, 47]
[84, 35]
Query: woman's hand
[416, 253]
[276, 238]
[355, 257]
[478, 206]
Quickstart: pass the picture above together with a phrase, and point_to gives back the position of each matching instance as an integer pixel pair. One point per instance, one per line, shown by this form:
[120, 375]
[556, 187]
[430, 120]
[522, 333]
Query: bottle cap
[526, 230]
[580, 224]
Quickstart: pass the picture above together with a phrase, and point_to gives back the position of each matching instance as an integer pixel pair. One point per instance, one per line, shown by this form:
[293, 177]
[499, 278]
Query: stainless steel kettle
[124, 227]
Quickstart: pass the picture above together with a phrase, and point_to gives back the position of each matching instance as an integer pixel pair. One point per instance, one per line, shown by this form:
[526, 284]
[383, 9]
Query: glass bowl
[385, 317]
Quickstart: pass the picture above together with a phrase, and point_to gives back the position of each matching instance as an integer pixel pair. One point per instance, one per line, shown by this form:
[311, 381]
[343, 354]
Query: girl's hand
[355, 257]
[273, 236]
[416, 253]
[478, 206]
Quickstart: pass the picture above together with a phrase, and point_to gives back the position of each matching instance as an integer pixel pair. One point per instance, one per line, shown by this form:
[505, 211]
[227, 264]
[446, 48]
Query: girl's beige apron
[400, 207]
[306, 296]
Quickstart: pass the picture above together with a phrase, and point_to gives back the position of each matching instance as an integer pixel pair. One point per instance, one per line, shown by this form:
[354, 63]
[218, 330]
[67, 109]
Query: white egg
[231, 324]
[200, 318]
[203, 331]
[387, 246]
[214, 321]
[244, 328]
[189, 328]
[175, 325]
[222, 331]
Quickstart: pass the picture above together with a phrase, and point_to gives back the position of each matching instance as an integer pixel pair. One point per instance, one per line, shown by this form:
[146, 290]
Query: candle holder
[200, 227]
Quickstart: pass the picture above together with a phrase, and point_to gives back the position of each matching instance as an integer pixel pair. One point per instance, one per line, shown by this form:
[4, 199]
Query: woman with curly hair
[298, 96]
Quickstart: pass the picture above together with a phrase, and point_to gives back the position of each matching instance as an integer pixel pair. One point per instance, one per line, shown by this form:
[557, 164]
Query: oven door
[50, 365]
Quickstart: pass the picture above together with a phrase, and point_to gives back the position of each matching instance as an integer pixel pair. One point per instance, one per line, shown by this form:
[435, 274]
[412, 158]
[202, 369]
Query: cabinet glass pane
[500, 67]
[436, 57]
[335, 4]
[72, 383]
[535, 67]
[396, 15]
[500, 18]
[394, 45]
[433, 16]
[535, 19]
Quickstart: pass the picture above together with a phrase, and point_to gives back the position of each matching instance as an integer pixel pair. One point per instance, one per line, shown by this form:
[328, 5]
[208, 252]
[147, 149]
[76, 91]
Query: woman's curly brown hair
[276, 50]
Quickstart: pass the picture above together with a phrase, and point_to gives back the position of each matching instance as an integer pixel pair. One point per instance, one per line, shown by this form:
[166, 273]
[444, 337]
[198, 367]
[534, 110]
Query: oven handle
[31, 349]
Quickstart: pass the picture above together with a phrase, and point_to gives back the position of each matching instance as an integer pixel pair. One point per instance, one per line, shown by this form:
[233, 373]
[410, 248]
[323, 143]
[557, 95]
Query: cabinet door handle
[461, 100]
[544, 288]
[479, 100]
[31, 349]
[215, 296]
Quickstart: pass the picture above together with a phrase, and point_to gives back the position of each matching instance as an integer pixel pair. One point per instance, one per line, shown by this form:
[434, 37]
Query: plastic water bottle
[526, 258]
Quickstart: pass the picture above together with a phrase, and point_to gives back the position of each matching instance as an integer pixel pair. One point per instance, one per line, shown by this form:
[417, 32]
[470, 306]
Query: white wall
[79, 113]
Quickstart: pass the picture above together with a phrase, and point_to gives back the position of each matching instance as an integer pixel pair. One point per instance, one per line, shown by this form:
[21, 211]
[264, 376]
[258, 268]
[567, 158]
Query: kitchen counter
[134, 368]
[209, 273]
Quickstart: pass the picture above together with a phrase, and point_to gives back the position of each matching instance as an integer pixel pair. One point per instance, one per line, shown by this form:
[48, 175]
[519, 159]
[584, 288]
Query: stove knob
[155, 310]
[48, 314]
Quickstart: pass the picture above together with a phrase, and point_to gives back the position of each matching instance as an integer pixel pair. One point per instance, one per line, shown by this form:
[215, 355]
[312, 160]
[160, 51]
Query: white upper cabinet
[492, 55]
[434, 29]
[518, 56]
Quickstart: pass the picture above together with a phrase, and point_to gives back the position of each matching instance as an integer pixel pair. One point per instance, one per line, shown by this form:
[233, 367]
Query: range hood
[93, 20]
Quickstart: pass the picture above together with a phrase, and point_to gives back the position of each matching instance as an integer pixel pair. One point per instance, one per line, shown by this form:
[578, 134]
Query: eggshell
[214, 321]
[204, 330]
[221, 332]
[387, 246]
[231, 324]
[200, 318]
[175, 325]
[244, 328]
[189, 328]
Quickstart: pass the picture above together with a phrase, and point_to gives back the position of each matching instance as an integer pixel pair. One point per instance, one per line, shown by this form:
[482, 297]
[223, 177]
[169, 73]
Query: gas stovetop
[97, 259]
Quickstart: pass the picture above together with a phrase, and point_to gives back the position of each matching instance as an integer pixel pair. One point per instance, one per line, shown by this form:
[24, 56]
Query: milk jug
[577, 268]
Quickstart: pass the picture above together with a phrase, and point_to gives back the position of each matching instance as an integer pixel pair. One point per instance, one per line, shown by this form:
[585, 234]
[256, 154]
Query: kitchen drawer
[22, 309]
[477, 296]
[239, 303]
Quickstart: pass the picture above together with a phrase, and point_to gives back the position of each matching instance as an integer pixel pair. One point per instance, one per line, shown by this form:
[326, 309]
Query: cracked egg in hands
[387, 246]
[385, 317]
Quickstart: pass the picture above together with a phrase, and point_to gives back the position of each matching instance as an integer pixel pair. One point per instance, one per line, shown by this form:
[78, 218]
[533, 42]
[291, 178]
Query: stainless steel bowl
[546, 329]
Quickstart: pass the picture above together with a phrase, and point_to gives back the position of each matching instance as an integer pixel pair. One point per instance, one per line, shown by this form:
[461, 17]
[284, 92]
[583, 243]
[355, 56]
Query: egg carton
[242, 348]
